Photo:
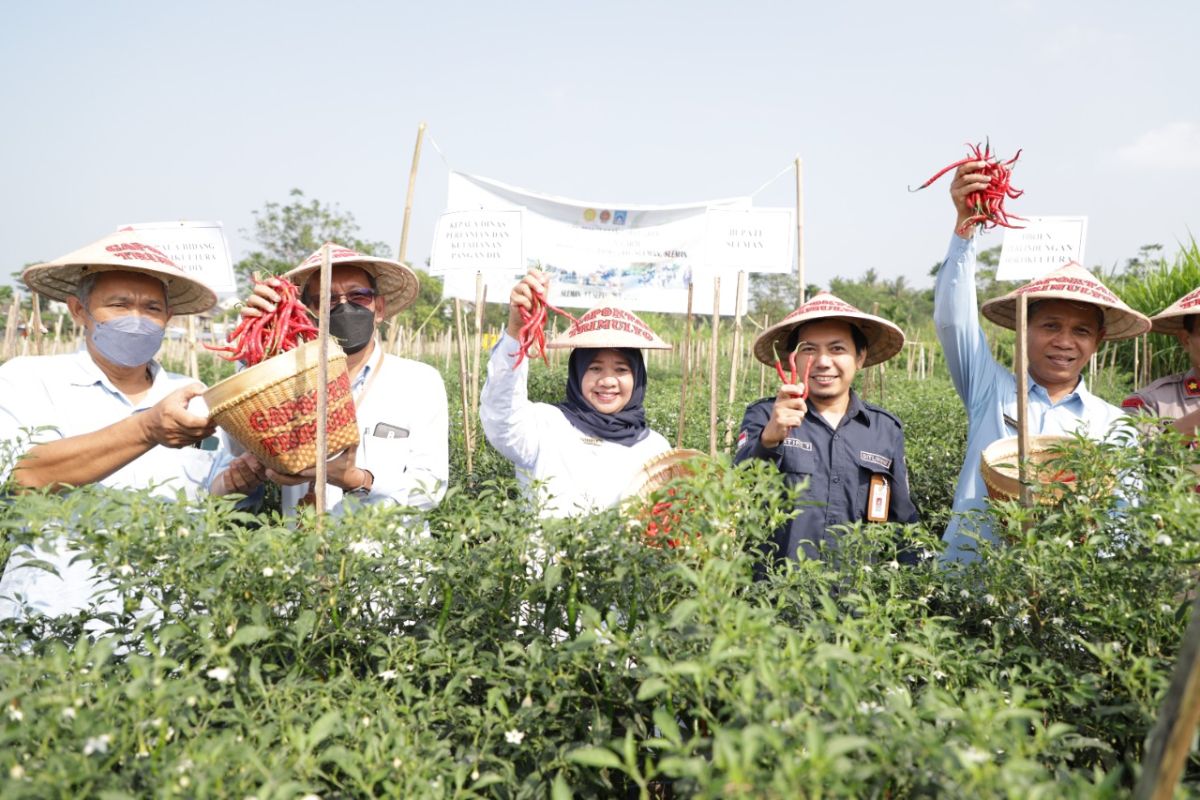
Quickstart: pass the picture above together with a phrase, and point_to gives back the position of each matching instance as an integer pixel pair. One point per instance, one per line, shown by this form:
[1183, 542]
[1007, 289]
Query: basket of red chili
[998, 464]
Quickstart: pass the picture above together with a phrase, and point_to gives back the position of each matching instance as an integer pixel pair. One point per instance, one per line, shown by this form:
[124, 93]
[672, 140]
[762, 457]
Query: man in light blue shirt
[1070, 313]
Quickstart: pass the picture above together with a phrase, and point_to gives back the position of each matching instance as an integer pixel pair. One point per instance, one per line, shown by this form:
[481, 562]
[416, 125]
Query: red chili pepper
[987, 204]
[533, 331]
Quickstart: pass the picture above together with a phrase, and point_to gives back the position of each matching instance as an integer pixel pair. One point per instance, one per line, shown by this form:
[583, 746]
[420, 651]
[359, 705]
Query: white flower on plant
[97, 744]
[514, 736]
[125, 570]
[311, 797]
[396, 763]
[867, 568]
[387, 675]
[527, 702]
[1057, 621]
[1165, 608]
[16, 772]
[973, 755]
[989, 599]
[183, 532]
[68, 712]
[220, 674]
[475, 774]
[191, 700]
[365, 721]
[963, 593]
[366, 547]
[939, 675]
[15, 714]
[894, 564]
[268, 572]
[1164, 540]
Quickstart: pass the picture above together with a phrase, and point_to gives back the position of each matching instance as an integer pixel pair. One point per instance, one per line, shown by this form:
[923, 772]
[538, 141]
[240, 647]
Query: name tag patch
[875, 458]
[792, 441]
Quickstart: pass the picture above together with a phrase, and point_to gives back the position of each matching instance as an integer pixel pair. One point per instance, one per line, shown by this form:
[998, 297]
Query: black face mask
[352, 325]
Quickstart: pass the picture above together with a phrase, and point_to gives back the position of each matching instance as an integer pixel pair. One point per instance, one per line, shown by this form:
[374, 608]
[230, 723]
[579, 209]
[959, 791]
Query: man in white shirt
[403, 454]
[107, 414]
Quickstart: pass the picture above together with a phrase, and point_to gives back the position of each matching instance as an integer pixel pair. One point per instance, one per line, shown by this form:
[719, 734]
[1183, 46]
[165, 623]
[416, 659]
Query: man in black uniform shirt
[851, 453]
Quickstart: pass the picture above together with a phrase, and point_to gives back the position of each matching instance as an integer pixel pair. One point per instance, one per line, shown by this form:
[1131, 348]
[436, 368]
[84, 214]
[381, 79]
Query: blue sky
[142, 111]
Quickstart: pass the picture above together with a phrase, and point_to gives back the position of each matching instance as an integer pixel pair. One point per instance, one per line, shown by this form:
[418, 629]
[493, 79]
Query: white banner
[1043, 245]
[197, 248]
[640, 256]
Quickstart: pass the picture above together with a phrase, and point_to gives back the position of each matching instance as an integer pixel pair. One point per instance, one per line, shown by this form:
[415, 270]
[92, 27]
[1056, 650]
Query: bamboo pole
[736, 352]
[1169, 742]
[480, 299]
[193, 363]
[1019, 363]
[468, 432]
[323, 383]
[408, 204]
[685, 353]
[800, 228]
[10, 327]
[712, 368]
[35, 324]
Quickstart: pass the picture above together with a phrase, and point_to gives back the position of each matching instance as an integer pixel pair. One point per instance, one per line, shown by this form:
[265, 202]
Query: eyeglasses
[360, 297]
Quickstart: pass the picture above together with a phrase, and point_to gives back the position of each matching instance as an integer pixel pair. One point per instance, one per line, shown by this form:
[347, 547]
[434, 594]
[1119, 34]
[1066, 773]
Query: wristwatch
[365, 488]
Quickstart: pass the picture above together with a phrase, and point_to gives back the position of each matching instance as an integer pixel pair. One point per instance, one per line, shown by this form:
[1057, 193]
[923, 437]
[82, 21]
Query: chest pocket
[385, 444]
[799, 457]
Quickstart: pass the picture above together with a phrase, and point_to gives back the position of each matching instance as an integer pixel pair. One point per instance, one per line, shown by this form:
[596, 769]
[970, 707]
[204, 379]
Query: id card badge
[878, 499]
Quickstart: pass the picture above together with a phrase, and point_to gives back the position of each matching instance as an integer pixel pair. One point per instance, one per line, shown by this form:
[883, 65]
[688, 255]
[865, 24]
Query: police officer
[1175, 397]
[851, 453]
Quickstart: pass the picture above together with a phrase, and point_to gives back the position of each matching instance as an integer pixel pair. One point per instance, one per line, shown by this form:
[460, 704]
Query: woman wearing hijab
[584, 451]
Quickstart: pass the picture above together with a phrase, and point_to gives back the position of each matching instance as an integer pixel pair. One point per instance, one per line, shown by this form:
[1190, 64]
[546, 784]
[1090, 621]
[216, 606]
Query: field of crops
[479, 651]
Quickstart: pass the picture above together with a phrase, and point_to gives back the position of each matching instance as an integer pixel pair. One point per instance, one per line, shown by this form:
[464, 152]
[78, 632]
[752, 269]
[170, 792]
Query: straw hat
[1170, 320]
[119, 252]
[608, 326]
[397, 283]
[1071, 282]
[884, 339]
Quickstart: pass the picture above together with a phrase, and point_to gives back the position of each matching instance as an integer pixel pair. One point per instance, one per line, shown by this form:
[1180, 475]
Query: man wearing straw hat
[106, 414]
[850, 452]
[1175, 397]
[403, 455]
[1070, 313]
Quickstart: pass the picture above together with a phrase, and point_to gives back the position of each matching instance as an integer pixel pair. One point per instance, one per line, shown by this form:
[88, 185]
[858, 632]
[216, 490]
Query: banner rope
[782, 172]
[438, 150]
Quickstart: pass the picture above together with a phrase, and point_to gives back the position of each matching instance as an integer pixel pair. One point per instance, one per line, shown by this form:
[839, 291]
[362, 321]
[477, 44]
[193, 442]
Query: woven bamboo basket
[271, 408]
[659, 471]
[998, 463]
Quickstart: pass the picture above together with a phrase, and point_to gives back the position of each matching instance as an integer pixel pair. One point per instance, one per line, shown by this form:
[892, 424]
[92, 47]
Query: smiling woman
[580, 453]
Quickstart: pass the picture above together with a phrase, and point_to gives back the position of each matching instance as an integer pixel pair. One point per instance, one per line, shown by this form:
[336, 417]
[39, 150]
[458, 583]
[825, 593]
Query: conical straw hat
[122, 251]
[1170, 320]
[1070, 282]
[397, 283]
[608, 326]
[884, 339]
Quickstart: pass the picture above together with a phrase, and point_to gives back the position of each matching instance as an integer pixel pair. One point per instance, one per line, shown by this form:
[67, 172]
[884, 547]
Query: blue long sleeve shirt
[989, 392]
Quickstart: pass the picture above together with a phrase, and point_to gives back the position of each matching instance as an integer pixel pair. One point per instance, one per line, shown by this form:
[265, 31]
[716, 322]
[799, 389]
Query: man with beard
[851, 453]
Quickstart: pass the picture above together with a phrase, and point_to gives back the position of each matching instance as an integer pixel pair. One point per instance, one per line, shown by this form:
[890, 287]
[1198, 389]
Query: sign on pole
[1043, 245]
[197, 248]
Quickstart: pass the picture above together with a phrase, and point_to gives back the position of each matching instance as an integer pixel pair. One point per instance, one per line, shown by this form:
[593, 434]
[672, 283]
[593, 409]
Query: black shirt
[838, 463]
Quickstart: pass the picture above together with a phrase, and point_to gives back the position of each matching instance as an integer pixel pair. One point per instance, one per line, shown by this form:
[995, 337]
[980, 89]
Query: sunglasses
[359, 297]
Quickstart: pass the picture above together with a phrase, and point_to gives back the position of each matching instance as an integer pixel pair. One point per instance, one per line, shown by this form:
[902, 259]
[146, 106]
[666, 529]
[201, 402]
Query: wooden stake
[685, 353]
[35, 324]
[323, 384]
[468, 432]
[193, 364]
[1169, 743]
[1022, 370]
[408, 203]
[712, 368]
[800, 228]
[480, 299]
[736, 352]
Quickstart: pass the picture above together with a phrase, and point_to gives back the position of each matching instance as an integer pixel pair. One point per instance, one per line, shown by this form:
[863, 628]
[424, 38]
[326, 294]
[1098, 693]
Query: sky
[123, 112]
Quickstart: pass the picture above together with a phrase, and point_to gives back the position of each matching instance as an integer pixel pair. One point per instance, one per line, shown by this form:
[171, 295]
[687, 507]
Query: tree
[287, 234]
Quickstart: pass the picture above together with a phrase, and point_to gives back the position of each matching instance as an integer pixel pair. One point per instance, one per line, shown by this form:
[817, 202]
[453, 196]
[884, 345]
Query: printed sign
[643, 257]
[1043, 245]
[197, 248]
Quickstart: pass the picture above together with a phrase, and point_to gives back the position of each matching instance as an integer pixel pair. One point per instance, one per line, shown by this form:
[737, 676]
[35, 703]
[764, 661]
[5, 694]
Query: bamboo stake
[1022, 370]
[762, 368]
[35, 324]
[712, 368]
[10, 327]
[408, 203]
[736, 351]
[323, 384]
[468, 433]
[480, 299]
[685, 352]
[192, 361]
[800, 227]
[1170, 740]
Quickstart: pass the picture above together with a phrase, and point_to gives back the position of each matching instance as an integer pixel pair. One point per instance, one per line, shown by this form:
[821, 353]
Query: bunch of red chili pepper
[269, 334]
[533, 331]
[793, 376]
[664, 516]
[987, 205]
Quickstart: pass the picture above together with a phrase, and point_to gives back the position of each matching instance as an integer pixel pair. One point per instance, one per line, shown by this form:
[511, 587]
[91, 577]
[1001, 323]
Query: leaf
[304, 624]
[249, 635]
[560, 790]
[840, 745]
[599, 757]
[323, 728]
[667, 726]
[652, 687]
[682, 612]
